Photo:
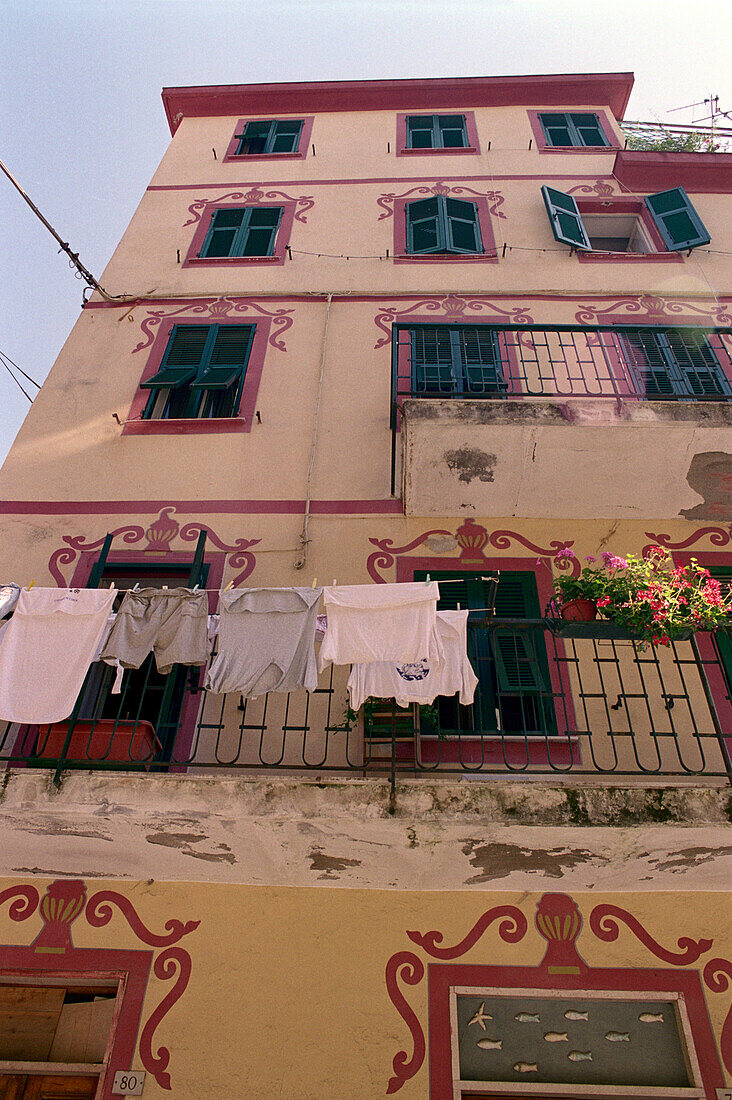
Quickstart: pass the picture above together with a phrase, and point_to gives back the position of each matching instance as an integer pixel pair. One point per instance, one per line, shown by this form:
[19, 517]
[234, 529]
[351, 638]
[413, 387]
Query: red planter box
[106, 740]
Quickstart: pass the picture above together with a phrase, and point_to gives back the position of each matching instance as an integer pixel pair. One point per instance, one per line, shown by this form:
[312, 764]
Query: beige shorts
[172, 622]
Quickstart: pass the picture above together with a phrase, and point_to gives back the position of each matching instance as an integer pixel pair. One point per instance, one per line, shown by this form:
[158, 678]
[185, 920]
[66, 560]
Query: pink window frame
[471, 149]
[586, 150]
[302, 146]
[622, 204]
[242, 422]
[401, 256]
[128, 970]
[282, 236]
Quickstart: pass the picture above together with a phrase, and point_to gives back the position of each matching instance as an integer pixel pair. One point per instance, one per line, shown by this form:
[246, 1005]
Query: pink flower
[565, 553]
[590, 558]
[603, 601]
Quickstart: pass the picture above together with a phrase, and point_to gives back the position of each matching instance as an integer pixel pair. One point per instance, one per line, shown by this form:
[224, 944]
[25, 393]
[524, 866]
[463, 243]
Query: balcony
[565, 699]
[505, 421]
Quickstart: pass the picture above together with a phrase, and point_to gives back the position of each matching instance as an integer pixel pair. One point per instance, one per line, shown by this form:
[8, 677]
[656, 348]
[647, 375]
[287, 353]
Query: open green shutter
[565, 219]
[677, 220]
[463, 230]
[423, 226]
[227, 358]
[182, 359]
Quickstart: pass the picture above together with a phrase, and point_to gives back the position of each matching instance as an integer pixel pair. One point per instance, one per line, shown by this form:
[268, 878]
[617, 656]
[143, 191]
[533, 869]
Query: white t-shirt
[421, 681]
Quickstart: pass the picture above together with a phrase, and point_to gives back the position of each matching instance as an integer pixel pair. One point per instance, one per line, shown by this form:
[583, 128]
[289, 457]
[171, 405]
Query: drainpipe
[304, 539]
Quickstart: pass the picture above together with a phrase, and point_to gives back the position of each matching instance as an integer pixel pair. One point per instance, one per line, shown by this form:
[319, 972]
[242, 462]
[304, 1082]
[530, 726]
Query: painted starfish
[480, 1016]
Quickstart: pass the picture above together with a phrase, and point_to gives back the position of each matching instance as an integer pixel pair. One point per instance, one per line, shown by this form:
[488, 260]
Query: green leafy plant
[650, 596]
[665, 142]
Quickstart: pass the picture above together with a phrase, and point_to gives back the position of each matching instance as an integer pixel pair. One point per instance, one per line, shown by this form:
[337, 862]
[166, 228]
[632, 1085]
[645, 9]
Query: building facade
[359, 333]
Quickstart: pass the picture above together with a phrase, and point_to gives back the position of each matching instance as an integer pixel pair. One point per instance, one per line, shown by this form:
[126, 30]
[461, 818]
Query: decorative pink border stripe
[383, 179]
[236, 507]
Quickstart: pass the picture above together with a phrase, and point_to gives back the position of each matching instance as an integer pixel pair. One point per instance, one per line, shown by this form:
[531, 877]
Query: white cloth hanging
[380, 622]
[52, 638]
[421, 681]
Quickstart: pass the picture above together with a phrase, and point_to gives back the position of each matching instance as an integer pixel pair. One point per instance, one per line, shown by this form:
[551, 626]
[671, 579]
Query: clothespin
[165, 588]
[229, 585]
[137, 585]
[427, 579]
[335, 582]
[459, 606]
[315, 581]
[30, 585]
[195, 588]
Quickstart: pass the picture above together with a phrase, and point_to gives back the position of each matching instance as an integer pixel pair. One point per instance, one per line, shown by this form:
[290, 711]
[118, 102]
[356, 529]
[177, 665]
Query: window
[270, 138]
[54, 1038]
[666, 221]
[675, 363]
[201, 374]
[573, 130]
[250, 231]
[442, 225]
[452, 362]
[514, 693]
[451, 134]
[436, 132]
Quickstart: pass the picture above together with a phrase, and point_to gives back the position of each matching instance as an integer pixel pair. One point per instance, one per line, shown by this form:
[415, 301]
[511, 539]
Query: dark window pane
[258, 242]
[226, 219]
[284, 143]
[177, 404]
[425, 208]
[424, 236]
[464, 236]
[588, 127]
[265, 215]
[219, 243]
[255, 137]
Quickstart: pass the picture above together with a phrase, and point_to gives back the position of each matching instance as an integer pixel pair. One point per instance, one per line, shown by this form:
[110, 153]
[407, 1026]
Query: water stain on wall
[710, 475]
[470, 463]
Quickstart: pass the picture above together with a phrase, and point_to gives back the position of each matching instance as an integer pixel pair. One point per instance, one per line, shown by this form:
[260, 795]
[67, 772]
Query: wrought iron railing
[553, 698]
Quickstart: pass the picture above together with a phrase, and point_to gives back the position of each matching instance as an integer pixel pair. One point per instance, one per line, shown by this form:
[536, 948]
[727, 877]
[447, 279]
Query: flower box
[104, 741]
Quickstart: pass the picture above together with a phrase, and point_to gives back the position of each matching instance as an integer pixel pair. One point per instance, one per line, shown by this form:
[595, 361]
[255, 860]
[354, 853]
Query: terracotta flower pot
[579, 610]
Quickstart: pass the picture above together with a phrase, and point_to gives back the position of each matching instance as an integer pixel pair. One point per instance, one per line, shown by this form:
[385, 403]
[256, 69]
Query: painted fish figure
[572, 1015]
[490, 1044]
[556, 1037]
[580, 1055]
[651, 1017]
[526, 1067]
[527, 1017]
[618, 1037]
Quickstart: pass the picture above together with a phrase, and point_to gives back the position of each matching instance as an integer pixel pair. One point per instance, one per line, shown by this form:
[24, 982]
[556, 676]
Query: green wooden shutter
[588, 130]
[432, 361]
[452, 131]
[222, 233]
[652, 372]
[285, 136]
[481, 361]
[724, 637]
[696, 363]
[565, 218]
[227, 359]
[677, 220]
[423, 226]
[421, 132]
[254, 139]
[182, 359]
[461, 225]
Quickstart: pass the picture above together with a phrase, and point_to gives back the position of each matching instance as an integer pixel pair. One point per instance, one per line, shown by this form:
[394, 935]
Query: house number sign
[128, 1082]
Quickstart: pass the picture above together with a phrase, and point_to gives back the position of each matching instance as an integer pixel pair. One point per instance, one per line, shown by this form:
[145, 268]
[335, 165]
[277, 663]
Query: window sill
[230, 158]
[443, 258]
[630, 257]
[186, 427]
[464, 150]
[587, 150]
[232, 261]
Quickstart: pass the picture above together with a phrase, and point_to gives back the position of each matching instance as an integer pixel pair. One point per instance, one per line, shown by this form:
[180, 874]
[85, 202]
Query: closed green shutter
[248, 231]
[677, 220]
[436, 132]
[565, 219]
[456, 361]
[675, 363]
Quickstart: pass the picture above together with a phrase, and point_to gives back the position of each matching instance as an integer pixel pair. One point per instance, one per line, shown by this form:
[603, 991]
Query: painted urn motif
[471, 538]
[161, 532]
[559, 922]
[62, 903]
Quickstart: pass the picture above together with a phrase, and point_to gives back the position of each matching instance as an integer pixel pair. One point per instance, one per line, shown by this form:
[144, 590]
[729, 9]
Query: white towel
[381, 622]
[51, 640]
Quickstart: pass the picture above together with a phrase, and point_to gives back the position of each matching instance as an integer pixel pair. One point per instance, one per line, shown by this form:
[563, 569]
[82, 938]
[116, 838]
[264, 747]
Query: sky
[82, 126]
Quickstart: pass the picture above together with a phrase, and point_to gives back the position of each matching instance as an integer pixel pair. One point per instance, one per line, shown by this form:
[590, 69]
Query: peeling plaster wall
[300, 832]
[579, 459]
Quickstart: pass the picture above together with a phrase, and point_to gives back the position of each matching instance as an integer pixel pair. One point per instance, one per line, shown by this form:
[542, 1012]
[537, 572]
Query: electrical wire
[7, 357]
[20, 387]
